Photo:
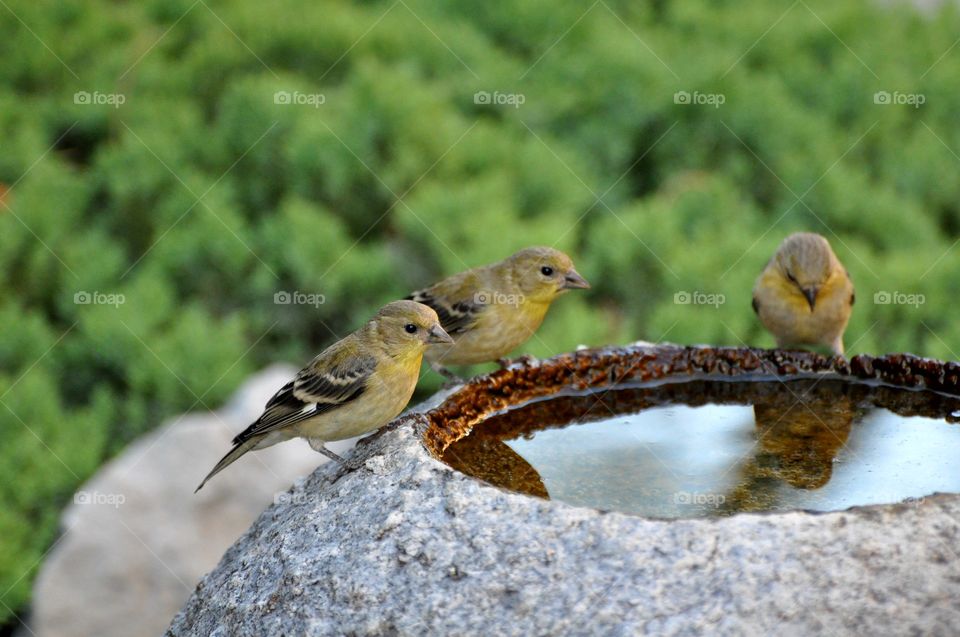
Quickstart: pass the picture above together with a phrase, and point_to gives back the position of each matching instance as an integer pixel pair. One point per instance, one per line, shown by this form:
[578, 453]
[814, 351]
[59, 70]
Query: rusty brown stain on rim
[608, 368]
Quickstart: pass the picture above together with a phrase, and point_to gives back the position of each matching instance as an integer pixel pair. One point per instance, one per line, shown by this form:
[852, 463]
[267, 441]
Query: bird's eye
[791, 277]
[410, 328]
[546, 270]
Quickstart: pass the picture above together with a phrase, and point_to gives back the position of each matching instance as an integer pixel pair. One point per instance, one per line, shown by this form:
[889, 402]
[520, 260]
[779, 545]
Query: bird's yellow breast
[786, 313]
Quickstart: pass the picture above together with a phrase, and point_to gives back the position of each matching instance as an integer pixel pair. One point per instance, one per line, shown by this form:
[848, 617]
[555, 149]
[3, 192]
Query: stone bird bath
[411, 546]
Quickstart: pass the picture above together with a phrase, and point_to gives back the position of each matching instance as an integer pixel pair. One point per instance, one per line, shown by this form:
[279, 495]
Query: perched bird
[356, 385]
[804, 295]
[491, 310]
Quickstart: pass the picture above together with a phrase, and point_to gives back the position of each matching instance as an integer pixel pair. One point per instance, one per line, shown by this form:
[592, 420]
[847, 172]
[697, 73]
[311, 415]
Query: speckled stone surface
[409, 547]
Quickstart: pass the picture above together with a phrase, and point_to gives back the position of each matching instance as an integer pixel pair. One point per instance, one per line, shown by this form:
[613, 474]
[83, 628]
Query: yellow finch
[356, 385]
[491, 310]
[804, 295]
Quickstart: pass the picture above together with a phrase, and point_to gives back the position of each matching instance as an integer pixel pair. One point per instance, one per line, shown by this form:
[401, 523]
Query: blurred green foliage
[200, 197]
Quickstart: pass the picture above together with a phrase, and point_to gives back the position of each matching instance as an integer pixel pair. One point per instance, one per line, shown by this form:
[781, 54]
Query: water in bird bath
[715, 448]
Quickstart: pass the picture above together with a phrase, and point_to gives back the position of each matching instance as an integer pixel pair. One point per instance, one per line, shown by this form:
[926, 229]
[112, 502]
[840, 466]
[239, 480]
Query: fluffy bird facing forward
[491, 310]
[356, 385]
[804, 296]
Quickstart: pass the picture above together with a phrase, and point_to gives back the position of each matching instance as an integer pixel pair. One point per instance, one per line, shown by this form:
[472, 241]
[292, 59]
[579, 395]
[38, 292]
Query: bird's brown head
[408, 327]
[806, 262]
[542, 273]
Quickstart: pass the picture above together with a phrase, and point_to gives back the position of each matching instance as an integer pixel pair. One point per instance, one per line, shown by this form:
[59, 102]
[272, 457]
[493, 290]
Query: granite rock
[406, 546]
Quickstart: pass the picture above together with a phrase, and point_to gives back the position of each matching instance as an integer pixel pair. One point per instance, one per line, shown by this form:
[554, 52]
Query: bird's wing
[458, 302]
[318, 388]
[455, 317]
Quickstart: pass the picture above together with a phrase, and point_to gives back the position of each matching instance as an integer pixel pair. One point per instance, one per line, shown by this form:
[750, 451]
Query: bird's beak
[437, 335]
[811, 294]
[574, 280]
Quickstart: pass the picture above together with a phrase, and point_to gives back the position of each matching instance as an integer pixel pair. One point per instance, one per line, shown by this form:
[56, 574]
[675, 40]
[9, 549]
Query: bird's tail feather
[237, 451]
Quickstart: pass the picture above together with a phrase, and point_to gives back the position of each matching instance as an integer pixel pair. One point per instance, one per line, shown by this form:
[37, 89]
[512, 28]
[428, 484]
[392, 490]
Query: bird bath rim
[936, 384]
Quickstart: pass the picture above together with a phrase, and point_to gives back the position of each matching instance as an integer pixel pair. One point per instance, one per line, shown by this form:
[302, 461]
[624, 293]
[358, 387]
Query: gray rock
[407, 546]
[137, 539]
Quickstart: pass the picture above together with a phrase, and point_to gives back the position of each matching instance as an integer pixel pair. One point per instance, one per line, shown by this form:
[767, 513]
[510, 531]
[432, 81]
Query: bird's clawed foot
[837, 348]
[318, 446]
[452, 379]
[524, 359]
[446, 373]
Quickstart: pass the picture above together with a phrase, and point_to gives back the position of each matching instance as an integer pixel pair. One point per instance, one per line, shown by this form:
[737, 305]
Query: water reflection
[490, 459]
[717, 448]
[797, 445]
